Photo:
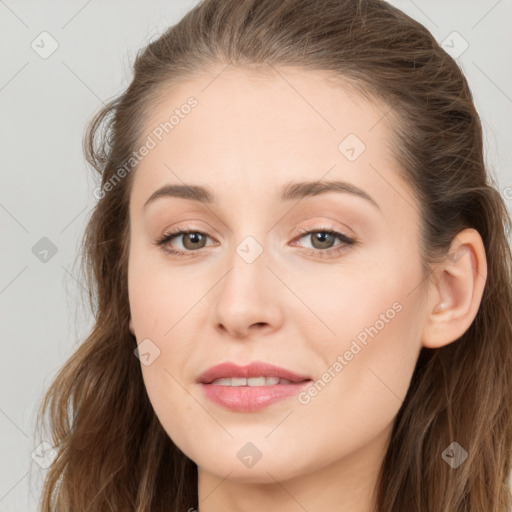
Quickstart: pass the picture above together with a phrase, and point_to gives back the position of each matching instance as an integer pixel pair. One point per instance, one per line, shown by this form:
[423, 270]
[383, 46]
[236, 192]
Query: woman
[300, 276]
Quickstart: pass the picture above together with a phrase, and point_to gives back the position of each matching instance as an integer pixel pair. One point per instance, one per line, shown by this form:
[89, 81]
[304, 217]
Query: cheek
[366, 374]
[370, 360]
[365, 301]
[157, 295]
[159, 302]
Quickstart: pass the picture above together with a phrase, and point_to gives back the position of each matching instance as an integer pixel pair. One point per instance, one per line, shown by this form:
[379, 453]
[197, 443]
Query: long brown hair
[113, 454]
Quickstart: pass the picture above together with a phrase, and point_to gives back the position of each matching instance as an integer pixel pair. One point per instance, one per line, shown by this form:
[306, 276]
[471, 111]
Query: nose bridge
[250, 244]
[248, 294]
[248, 275]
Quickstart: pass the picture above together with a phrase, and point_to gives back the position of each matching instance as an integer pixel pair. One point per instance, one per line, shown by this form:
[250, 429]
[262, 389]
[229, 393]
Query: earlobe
[456, 291]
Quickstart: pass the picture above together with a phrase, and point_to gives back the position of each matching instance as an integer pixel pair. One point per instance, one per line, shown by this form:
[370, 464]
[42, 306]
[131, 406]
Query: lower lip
[250, 398]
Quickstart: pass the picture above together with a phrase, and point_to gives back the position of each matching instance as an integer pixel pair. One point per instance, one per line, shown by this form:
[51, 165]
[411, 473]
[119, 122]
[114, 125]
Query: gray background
[46, 189]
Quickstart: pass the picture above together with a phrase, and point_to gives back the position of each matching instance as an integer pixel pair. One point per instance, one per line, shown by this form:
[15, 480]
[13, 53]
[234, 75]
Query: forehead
[253, 131]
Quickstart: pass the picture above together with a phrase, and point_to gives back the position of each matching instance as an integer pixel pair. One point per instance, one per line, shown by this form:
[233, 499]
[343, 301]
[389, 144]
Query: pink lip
[255, 369]
[249, 398]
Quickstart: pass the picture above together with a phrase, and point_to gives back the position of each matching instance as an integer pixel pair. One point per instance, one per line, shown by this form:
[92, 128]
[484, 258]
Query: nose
[249, 299]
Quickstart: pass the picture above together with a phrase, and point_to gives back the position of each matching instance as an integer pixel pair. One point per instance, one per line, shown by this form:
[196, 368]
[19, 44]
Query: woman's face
[258, 279]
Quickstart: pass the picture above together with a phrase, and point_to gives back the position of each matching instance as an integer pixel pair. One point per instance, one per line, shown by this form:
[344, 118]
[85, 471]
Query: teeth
[257, 381]
[252, 381]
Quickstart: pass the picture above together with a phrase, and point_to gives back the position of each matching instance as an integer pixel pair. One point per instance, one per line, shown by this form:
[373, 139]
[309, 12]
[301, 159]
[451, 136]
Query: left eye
[325, 238]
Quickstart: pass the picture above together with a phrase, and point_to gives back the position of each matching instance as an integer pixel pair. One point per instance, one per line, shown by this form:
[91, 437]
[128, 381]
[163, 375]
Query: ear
[456, 291]
[130, 326]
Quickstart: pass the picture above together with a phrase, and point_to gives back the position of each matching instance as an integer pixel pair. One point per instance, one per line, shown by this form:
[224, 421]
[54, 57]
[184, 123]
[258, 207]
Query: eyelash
[333, 251]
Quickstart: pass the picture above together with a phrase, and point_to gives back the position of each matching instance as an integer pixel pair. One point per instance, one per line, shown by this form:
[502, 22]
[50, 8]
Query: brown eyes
[322, 240]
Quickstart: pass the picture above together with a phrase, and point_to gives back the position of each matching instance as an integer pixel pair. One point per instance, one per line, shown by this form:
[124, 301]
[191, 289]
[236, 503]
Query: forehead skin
[251, 133]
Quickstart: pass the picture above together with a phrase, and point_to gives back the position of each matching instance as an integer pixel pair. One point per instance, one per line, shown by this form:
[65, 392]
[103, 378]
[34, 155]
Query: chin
[266, 470]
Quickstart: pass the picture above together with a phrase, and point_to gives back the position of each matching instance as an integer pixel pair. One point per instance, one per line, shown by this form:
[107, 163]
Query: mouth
[250, 388]
[254, 374]
[252, 381]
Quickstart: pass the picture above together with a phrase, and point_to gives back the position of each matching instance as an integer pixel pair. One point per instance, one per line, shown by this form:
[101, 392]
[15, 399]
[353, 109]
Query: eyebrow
[289, 192]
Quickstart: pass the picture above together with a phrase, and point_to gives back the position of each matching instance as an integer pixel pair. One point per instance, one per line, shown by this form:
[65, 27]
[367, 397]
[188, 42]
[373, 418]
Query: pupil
[323, 238]
[193, 238]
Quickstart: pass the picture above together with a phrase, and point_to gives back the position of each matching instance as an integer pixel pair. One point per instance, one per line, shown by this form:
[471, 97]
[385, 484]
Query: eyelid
[324, 226]
[186, 227]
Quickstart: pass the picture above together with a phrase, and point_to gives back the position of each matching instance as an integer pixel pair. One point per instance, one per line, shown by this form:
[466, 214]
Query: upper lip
[255, 369]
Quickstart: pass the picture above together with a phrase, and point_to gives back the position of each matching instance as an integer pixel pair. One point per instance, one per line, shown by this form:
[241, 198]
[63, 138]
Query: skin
[249, 135]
